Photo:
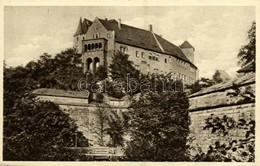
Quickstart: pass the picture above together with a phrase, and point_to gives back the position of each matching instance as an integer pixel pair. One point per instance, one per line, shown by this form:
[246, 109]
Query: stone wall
[226, 99]
[85, 114]
[204, 138]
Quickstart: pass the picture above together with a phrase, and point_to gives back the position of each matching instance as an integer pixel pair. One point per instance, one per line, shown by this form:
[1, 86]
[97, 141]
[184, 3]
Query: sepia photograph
[129, 83]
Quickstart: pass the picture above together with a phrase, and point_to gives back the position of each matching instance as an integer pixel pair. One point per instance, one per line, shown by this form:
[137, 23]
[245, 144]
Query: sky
[217, 33]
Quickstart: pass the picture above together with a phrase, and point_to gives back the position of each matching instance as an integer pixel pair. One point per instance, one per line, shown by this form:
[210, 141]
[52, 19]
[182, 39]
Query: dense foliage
[117, 127]
[35, 130]
[38, 131]
[120, 69]
[216, 77]
[229, 149]
[200, 84]
[159, 126]
[247, 52]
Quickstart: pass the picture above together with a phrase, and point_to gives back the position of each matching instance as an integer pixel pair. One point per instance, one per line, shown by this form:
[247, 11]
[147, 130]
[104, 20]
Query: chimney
[151, 27]
[119, 23]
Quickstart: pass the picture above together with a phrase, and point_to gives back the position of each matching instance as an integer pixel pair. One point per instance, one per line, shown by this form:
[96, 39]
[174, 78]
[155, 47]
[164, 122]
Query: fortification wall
[232, 102]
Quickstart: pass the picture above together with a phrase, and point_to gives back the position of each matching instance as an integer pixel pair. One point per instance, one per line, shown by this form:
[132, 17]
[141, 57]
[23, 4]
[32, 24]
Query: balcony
[94, 45]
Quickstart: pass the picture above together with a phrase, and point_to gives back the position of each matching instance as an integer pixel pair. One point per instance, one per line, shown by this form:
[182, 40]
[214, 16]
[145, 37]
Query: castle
[99, 40]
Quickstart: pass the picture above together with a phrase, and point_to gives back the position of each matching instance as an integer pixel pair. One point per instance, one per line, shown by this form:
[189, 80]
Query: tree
[120, 69]
[200, 84]
[100, 124]
[117, 125]
[217, 78]
[38, 131]
[61, 72]
[159, 127]
[247, 52]
[121, 66]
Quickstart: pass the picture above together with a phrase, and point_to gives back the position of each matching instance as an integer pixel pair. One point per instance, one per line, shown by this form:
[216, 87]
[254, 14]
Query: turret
[81, 33]
[188, 50]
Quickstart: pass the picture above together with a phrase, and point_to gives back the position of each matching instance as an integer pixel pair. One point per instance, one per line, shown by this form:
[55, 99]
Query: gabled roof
[186, 44]
[144, 39]
[82, 27]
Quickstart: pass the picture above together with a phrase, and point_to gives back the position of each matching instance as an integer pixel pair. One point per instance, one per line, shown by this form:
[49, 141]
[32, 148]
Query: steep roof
[60, 93]
[186, 44]
[80, 28]
[144, 39]
[83, 26]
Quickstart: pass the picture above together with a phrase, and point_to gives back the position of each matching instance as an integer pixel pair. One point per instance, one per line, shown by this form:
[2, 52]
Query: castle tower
[188, 50]
[80, 34]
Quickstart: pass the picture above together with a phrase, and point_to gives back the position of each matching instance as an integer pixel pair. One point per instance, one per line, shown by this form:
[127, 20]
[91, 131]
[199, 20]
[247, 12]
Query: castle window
[150, 57]
[137, 54]
[142, 54]
[89, 47]
[83, 38]
[99, 45]
[109, 35]
[96, 46]
[156, 58]
[165, 60]
[92, 46]
[85, 48]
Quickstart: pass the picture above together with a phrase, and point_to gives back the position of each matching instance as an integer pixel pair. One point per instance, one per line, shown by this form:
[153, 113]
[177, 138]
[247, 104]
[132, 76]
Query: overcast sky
[217, 33]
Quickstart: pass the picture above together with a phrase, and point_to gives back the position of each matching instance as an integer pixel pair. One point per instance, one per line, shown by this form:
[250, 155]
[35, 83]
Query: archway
[96, 63]
[89, 64]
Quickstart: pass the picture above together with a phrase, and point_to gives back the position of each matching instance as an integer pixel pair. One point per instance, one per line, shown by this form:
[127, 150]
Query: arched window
[85, 48]
[96, 64]
[96, 46]
[89, 64]
[100, 45]
[92, 46]
[89, 47]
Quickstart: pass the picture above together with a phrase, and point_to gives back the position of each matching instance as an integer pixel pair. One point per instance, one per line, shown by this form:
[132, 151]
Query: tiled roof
[247, 79]
[186, 44]
[61, 93]
[143, 38]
